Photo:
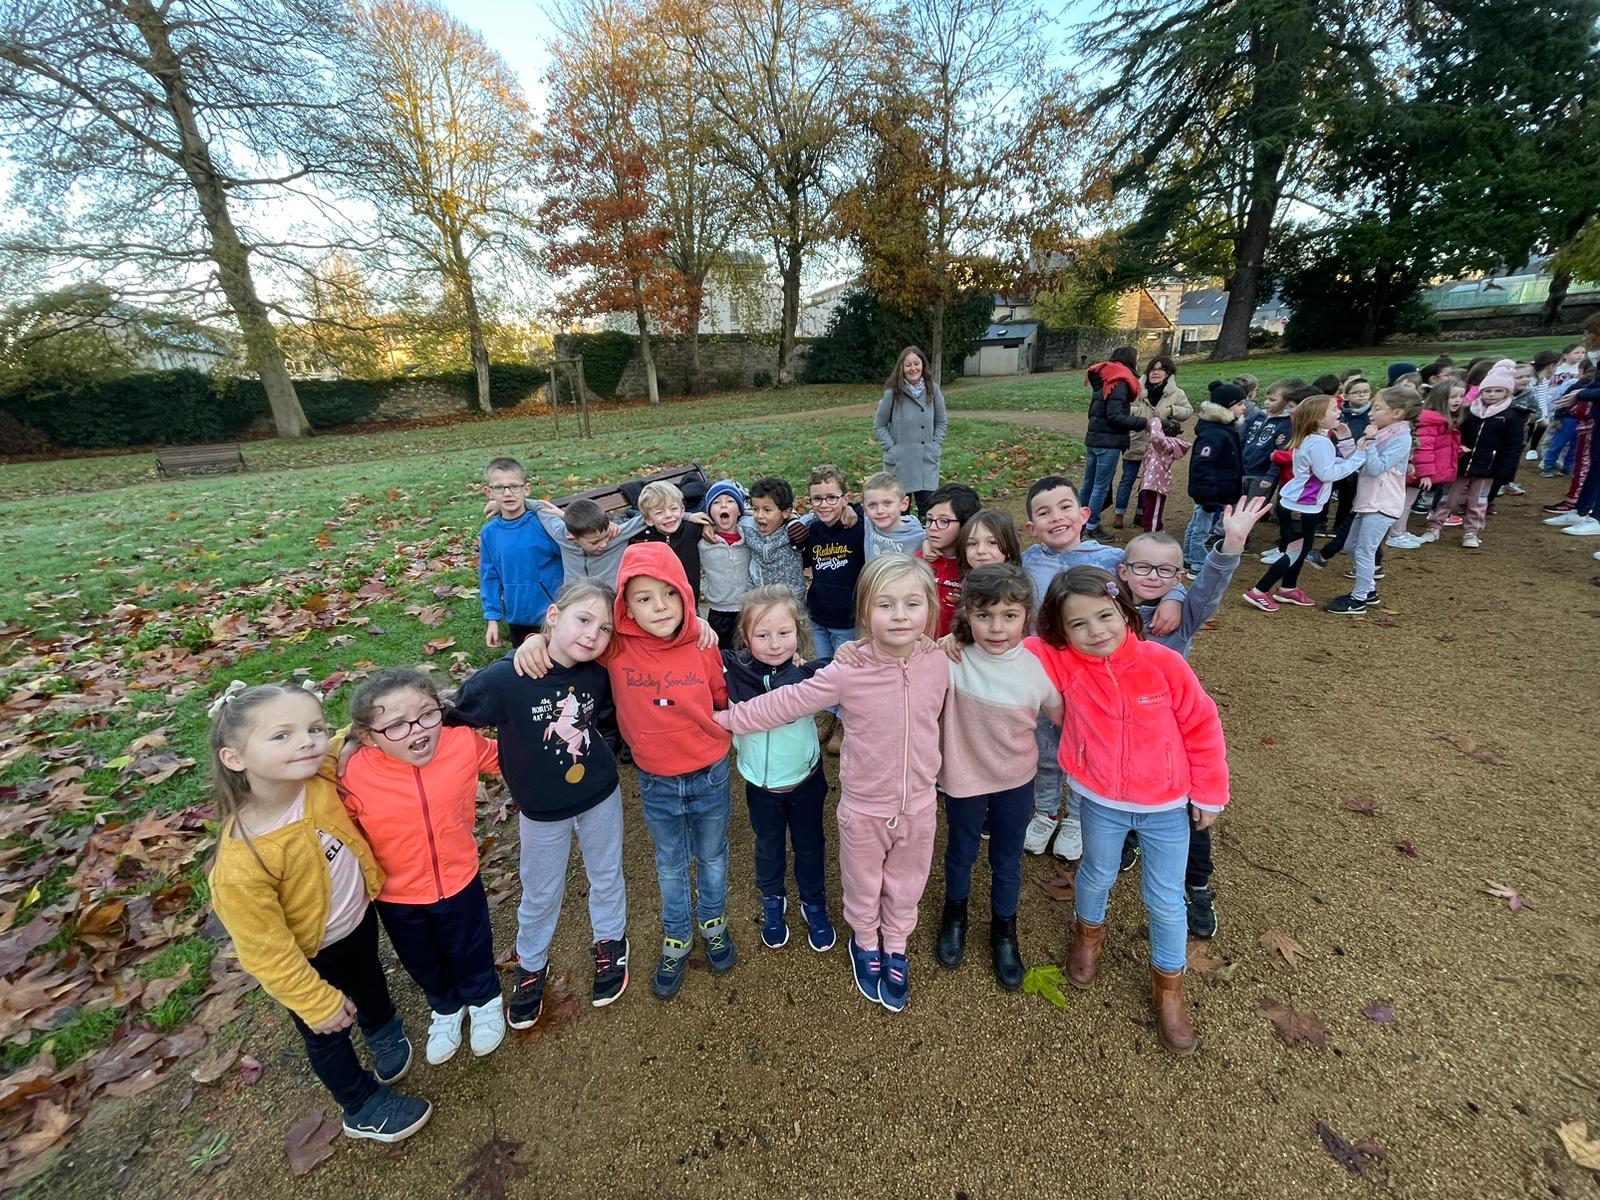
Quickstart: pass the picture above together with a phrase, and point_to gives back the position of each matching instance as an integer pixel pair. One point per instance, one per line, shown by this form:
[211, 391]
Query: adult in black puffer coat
[1113, 388]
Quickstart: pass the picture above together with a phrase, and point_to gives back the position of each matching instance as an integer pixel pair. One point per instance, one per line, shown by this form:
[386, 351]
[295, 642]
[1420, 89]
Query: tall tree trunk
[1370, 328]
[789, 267]
[469, 305]
[644, 342]
[935, 367]
[1559, 283]
[228, 250]
[696, 288]
[1233, 339]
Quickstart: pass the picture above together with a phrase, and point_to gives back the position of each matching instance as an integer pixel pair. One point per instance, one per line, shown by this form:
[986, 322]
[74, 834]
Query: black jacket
[1110, 420]
[1216, 463]
[1490, 446]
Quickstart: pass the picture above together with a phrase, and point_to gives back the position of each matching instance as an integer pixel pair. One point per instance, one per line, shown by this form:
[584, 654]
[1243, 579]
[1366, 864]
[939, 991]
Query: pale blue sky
[518, 29]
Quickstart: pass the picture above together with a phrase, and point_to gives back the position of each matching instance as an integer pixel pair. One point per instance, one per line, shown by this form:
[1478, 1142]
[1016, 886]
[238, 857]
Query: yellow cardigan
[275, 906]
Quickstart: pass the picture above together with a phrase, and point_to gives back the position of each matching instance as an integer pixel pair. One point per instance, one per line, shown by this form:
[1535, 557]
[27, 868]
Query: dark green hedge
[177, 407]
[605, 357]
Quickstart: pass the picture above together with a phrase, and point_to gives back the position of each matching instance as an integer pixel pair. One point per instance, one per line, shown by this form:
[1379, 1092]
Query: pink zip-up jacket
[1158, 459]
[890, 757]
[1438, 448]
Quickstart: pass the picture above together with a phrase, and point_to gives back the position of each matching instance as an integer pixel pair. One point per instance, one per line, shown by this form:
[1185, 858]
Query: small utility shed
[1009, 349]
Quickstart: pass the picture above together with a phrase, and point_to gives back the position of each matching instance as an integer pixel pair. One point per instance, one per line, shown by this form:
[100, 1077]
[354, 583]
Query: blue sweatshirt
[1199, 605]
[519, 570]
[1043, 564]
[907, 538]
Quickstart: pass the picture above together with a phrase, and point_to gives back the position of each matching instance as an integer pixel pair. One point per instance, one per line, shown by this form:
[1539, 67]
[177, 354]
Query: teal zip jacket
[780, 758]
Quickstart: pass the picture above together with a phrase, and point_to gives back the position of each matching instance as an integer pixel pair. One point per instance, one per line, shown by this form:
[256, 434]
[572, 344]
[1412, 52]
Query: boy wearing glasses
[1152, 567]
[834, 552]
[519, 563]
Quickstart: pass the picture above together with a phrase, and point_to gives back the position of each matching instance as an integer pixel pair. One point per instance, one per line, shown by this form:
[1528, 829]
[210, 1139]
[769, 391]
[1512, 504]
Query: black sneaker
[610, 970]
[1345, 606]
[391, 1051]
[527, 998]
[1130, 852]
[1316, 560]
[1371, 600]
[1201, 903]
[387, 1117]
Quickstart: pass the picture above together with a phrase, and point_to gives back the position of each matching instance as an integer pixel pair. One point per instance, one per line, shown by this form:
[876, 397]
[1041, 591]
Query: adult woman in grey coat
[911, 425]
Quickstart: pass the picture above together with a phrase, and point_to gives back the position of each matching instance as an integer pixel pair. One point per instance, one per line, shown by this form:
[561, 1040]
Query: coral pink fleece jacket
[1438, 448]
[664, 688]
[1138, 731]
[419, 821]
[891, 706]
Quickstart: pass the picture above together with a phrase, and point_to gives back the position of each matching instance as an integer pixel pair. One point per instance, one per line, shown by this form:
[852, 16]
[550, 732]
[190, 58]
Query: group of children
[934, 657]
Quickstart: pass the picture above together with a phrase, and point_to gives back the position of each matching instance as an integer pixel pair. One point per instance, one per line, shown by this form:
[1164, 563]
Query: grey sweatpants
[543, 866]
[1367, 532]
[1049, 778]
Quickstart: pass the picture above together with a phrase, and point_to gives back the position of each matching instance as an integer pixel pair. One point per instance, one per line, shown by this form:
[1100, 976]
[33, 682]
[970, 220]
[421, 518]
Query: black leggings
[1285, 572]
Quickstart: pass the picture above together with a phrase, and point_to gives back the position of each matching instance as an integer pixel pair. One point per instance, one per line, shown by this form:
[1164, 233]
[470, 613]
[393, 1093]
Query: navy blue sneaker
[819, 930]
[669, 971]
[868, 967]
[895, 986]
[774, 929]
[387, 1117]
[391, 1051]
[720, 954]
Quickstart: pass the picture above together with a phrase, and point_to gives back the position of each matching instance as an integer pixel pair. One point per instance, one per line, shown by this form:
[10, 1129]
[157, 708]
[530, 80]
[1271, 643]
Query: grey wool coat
[912, 436]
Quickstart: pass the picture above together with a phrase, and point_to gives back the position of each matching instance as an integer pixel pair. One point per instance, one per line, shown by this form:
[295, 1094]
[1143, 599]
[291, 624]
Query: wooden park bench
[199, 460]
[690, 479]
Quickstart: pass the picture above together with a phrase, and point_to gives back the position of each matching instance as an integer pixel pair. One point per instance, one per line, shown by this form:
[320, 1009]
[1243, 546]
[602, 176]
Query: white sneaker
[1038, 835]
[1530, 455]
[1597, 554]
[1469, 541]
[1430, 534]
[488, 1023]
[1271, 556]
[1403, 541]
[444, 1037]
[1069, 840]
[1588, 527]
[1566, 518]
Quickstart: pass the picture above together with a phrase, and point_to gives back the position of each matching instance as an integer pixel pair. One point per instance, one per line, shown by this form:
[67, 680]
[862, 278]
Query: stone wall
[410, 401]
[1073, 349]
[727, 362]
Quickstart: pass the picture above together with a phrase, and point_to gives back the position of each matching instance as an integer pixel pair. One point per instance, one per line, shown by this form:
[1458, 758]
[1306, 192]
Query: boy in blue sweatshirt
[1151, 572]
[519, 563]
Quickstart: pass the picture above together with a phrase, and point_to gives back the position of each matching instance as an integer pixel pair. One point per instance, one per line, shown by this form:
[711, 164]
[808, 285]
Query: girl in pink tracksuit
[888, 765]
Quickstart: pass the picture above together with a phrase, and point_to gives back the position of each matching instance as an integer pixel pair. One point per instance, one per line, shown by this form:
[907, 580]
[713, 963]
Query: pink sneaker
[1294, 596]
[1260, 600]
[1452, 520]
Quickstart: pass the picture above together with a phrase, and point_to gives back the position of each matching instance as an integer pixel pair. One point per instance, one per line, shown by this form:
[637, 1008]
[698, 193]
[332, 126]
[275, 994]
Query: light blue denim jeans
[826, 641]
[1163, 859]
[1099, 473]
[687, 816]
[1201, 524]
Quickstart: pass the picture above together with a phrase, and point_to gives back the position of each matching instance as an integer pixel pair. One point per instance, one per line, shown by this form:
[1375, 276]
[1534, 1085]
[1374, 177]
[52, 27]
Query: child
[591, 545]
[949, 508]
[1487, 438]
[665, 676]
[1142, 745]
[1155, 484]
[997, 694]
[987, 537]
[835, 551]
[1434, 461]
[784, 783]
[724, 560]
[1150, 571]
[1160, 399]
[890, 528]
[1357, 399]
[1266, 432]
[1564, 376]
[887, 812]
[1316, 462]
[1380, 495]
[1057, 520]
[774, 557]
[1216, 471]
[412, 788]
[519, 563]
[661, 505]
[563, 777]
[292, 883]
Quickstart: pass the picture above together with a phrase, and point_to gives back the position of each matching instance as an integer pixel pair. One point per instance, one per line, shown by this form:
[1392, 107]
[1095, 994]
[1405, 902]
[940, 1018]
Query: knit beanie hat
[1398, 369]
[726, 487]
[1225, 394]
[1502, 375]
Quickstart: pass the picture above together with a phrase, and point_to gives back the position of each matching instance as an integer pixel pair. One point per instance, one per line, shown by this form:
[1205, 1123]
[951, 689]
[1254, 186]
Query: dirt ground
[1457, 711]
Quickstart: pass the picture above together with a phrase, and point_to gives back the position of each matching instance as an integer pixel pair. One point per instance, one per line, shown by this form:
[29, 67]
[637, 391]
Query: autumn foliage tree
[441, 140]
[601, 212]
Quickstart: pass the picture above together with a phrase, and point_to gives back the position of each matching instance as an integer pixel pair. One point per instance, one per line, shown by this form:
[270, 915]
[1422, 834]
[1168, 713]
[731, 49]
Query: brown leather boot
[1083, 957]
[1172, 1020]
[825, 723]
[836, 738]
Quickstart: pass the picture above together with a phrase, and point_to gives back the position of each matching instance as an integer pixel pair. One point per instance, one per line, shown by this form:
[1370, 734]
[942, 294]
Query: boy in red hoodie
[666, 678]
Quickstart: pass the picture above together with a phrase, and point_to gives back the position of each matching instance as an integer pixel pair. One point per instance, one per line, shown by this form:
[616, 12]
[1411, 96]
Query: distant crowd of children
[1043, 692]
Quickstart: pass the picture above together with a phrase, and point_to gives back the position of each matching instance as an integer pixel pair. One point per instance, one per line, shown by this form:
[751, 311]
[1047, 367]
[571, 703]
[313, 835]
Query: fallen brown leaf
[1581, 1148]
[491, 1169]
[1353, 1157]
[1058, 887]
[1202, 962]
[1365, 804]
[215, 1065]
[1286, 947]
[310, 1140]
[1294, 1028]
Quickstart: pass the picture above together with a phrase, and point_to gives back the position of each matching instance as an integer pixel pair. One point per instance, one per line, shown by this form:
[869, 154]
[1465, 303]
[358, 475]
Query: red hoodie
[665, 688]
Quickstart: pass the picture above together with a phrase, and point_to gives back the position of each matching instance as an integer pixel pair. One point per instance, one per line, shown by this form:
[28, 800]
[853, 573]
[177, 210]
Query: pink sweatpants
[883, 871]
[1474, 493]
